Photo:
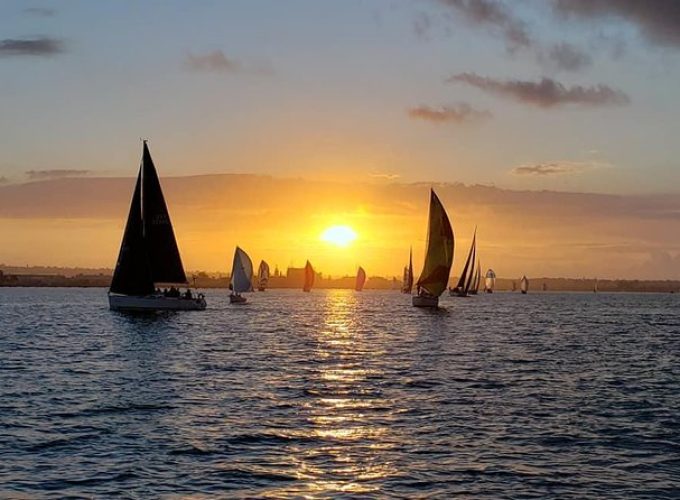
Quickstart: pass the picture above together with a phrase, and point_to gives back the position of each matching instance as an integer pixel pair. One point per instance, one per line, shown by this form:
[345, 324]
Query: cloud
[557, 168]
[43, 46]
[40, 12]
[545, 93]
[657, 20]
[494, 14]
[384, 175]
[459, 113]
[212, 62]
[566, 56]
[55, 174]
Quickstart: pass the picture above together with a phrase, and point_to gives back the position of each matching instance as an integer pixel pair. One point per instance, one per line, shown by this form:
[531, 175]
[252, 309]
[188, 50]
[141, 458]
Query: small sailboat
[407, 284]
[489, 281]
[524, 285]
[465, 281]
[595, 287]
[361, 279]
[309, 277]
[545, 287]
[148, 253]
[262, 276]
[434, 277]
[241, 277]
[514, 286]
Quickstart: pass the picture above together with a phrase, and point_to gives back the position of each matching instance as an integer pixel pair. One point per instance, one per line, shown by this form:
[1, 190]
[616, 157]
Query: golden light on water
[341, 235]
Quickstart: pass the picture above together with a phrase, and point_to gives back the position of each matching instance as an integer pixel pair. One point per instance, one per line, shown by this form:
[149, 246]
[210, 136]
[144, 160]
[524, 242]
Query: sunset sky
[367, 102]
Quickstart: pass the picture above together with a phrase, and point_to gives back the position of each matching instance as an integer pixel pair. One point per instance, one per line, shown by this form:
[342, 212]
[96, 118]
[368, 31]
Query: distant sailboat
[309, 278]
[434, 277]
[407, 284]
[262, 276]
[524, 285]
[595, 290]
[361, 279]
[465, 281]
[545, 287]
[514, 286]
[241, 276]
[149, 253]
[490, 281]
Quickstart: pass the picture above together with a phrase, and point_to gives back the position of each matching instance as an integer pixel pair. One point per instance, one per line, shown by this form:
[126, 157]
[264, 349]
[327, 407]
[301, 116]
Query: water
[340, 394]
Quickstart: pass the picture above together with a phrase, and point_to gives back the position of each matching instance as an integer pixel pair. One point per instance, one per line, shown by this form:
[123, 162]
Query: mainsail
[241, 272]
[407, 284]
[490, 280]
[309, 277]
[132, 275]
[148, 253]
[361, 279]
[524, 284]
[439, 253]
[263, 275]
[477, 279]
[165, 262]
[465, 278]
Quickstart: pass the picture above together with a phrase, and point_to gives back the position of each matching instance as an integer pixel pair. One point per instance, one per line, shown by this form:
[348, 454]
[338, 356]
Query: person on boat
[187, 294]
[165, 292]
[158, 291]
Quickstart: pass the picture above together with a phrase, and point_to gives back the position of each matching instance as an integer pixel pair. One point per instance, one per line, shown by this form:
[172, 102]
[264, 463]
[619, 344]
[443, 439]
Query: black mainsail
[148, 253]
[132, 275]
[166, 263]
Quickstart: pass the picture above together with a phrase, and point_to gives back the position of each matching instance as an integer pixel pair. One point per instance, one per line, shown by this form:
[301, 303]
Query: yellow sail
[439, 254]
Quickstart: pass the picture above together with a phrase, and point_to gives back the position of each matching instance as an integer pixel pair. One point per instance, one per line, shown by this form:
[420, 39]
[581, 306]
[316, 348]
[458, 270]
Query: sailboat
[361, 279]
[489, 281]
[148, 253]
[241, 277]
[407, 284]
[309, 278]
[262, 276]
[465, 281]
[514, 286]
[434, 277]
[595, 287]
[476, 280]
[524, 285]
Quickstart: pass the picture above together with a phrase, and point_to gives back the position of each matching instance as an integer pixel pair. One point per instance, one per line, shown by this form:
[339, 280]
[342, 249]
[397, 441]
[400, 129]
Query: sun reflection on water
[348, 417]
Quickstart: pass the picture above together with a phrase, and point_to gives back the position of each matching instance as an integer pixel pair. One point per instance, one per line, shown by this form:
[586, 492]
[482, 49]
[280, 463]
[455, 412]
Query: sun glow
[340, 236]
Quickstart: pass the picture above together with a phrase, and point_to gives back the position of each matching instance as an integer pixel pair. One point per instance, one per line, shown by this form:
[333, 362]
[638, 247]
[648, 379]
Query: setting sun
[340, 236]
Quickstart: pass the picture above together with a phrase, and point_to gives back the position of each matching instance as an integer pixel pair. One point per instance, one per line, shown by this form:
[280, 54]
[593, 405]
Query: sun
[340, 236]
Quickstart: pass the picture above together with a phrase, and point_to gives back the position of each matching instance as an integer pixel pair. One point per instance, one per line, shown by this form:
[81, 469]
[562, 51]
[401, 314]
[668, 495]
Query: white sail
[490, 280]
[241, 272]
[524, 284]
[263, 275]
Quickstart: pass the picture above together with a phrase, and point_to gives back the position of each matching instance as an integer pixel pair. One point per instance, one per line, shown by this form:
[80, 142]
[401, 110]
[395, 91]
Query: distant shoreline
[102, 280]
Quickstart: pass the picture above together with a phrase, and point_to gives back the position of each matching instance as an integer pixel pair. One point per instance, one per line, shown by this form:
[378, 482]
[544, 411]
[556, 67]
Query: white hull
[155, 303]
[424, 301]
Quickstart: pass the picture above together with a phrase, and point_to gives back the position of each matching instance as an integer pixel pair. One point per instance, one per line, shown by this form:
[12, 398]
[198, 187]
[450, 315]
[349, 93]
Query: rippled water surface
[341, 394]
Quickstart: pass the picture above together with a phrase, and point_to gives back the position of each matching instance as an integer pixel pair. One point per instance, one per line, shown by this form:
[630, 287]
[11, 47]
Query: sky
[579, 96]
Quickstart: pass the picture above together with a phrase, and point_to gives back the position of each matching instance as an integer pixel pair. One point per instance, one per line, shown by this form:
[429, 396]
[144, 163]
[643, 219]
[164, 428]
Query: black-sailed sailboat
[462, 288]
[434, 277]
[148, 253]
